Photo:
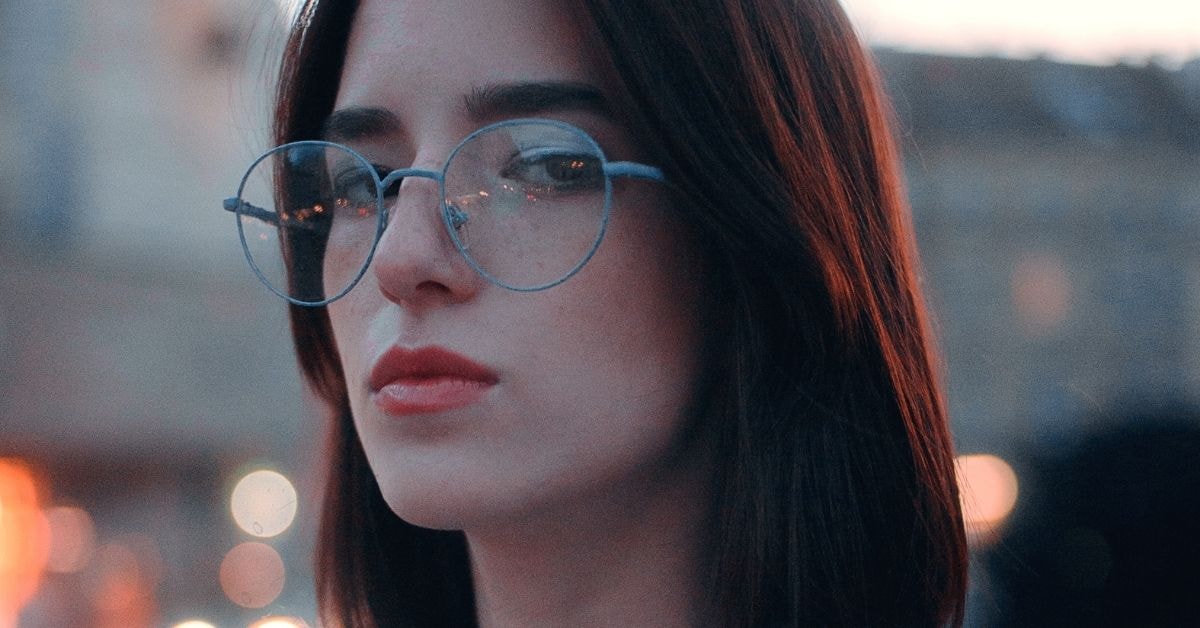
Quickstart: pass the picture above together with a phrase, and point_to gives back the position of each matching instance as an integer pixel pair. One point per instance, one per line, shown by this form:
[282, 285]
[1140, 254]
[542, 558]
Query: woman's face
[572, 395]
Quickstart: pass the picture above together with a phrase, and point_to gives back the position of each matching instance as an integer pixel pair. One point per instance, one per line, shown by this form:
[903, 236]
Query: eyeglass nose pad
[458, 220]
[458, 217]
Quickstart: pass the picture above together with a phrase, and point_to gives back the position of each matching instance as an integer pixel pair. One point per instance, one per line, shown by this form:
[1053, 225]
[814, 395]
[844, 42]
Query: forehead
[419, 57]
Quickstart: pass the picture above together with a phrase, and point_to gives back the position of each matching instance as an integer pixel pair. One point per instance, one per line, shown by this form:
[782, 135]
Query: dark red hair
[836, 502]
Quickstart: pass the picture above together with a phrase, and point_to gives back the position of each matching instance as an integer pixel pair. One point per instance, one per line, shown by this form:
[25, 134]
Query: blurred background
[159, 460]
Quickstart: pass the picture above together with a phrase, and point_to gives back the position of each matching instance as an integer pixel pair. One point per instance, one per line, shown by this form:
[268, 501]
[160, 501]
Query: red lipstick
[426, 380]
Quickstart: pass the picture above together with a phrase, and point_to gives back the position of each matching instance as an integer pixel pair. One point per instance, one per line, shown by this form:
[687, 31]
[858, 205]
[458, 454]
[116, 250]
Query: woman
[696, 388]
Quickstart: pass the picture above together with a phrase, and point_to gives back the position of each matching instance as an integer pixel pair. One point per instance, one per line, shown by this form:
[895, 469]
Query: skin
[582, 501]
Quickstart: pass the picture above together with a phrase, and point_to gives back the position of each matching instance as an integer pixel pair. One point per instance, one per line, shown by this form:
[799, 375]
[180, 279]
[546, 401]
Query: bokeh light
[194, 623]
[252, 575]
[149, 557]
[264, 503]
[72, 539]
[987, 492]
[1041, 292]
[24, 538]
[120, 588]
[280, 622]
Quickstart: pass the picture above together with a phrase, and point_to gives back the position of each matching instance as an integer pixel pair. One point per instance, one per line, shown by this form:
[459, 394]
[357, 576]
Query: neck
[598, 562]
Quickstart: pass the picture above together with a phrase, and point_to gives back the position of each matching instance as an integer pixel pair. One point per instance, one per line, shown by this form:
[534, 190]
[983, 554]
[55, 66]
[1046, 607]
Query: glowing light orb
[280, 622]
[72, 539]
[252, 575]
[120, 585]
[988, 491]
[194, 623]
[264, 503]
[24, 538]
[1041, 292]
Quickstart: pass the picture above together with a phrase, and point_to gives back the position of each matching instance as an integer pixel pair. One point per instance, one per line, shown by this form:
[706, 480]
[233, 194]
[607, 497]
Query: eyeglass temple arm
[634, 171]
[246, 209]
[231, 204]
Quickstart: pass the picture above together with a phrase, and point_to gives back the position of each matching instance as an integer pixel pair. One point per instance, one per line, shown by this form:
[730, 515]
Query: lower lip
[426, 396]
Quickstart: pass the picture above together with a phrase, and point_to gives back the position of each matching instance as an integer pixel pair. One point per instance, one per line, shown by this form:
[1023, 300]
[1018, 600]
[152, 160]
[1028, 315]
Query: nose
[416, 263]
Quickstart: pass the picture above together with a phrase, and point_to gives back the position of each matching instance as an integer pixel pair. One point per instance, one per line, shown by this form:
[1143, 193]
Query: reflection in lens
[527, 201]
[308, 217]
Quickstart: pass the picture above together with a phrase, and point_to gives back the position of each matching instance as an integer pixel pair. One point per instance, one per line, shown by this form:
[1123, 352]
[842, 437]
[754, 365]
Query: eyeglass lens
[524, 202]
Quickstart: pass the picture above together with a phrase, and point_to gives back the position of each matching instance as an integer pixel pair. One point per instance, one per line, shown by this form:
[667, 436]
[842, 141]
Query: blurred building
[143, 370]
[1058, 212]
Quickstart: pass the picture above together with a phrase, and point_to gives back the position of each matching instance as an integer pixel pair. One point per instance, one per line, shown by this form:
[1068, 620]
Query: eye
[555, 170]
[353, 183]
[352, 190]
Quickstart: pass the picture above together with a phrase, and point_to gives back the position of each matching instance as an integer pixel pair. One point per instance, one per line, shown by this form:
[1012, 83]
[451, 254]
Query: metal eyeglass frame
[452, 217]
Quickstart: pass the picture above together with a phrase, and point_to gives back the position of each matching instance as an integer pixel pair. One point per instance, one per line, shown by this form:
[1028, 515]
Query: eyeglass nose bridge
[402, 173]
[397, 175]
[454, 216]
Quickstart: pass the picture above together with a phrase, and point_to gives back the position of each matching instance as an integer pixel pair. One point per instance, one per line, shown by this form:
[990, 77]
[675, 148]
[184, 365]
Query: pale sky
[1090, 31]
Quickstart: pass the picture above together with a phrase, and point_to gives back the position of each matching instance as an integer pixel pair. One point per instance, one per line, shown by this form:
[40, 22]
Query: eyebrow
[521, 99]
[356, 123]
[487, 102]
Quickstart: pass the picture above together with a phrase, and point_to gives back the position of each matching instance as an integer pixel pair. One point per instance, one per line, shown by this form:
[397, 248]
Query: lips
[427, 380]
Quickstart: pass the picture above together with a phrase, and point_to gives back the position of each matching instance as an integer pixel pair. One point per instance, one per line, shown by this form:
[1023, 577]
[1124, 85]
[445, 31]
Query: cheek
[612, 373]
[653, 283]
[350, 319]
[626, 334]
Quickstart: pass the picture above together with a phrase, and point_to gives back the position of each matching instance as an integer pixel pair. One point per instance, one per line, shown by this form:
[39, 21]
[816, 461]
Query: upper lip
[398, 363]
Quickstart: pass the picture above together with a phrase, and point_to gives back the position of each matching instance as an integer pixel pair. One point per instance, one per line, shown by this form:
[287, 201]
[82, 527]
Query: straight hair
[835, 502]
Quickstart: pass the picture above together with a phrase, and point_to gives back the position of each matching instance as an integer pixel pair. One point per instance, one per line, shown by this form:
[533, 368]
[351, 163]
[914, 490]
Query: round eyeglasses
[526, 202]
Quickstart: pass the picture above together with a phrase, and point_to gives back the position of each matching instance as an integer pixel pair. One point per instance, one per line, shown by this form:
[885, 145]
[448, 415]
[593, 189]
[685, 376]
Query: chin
[429, 517]
[442, 504]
